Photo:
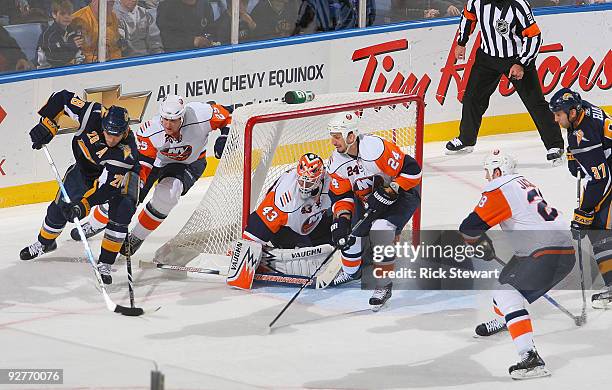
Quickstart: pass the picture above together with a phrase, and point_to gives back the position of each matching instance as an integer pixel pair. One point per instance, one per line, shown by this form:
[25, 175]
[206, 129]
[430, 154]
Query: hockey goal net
[267, 139]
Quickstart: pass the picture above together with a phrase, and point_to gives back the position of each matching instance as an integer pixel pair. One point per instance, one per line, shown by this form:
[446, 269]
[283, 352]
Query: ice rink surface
[207, 336]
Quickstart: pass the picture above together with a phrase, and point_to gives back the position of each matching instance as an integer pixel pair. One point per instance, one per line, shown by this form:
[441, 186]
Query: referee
[510, 43]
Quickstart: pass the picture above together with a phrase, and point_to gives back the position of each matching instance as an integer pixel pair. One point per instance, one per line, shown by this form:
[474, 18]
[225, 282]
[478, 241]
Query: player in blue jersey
[106, 170]
[589, 137]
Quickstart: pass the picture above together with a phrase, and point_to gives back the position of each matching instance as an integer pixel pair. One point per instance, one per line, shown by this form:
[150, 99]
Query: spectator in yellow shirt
[87, 20]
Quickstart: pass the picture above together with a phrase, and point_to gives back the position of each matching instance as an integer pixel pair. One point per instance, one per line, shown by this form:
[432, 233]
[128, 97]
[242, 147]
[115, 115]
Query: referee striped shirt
[508, 28]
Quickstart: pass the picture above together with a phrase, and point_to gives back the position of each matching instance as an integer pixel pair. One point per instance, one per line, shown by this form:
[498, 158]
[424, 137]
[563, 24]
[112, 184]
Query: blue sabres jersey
[93, 157]
[590, 142]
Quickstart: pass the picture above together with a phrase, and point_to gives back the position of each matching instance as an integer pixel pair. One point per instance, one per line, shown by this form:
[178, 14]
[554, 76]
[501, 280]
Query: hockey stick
[577, 319]
[583, 315]
[303, 286]
[146, 264]
[126, 311]
[272, 279]
[128, 263]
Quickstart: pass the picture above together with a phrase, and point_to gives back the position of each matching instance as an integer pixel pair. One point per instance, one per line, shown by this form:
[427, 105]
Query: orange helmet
[310, 172]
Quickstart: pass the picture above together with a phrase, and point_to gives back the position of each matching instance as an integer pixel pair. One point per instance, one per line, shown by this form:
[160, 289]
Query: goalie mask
[310, 172]
[498, 160]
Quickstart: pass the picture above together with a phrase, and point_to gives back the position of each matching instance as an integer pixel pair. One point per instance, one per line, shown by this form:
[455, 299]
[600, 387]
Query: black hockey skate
[132, 243]
[105, 272]
[33, 251]
[531, 366]
[380, 297]
[87, 229]
[555, 155]
[343, 277]
[602, 300]
[456, 146]
[490, 328]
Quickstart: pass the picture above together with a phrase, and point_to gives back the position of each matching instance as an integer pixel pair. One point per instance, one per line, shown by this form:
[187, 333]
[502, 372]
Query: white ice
[207, 336]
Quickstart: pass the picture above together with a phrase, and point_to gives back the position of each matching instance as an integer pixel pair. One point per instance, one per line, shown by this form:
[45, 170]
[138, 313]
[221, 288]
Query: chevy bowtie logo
[135, 102]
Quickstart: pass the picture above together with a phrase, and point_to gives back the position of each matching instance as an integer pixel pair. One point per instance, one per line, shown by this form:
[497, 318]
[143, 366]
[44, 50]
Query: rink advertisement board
[413, 58]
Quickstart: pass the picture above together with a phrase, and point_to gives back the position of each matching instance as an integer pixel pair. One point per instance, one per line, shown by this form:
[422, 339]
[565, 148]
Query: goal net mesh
[276, 145]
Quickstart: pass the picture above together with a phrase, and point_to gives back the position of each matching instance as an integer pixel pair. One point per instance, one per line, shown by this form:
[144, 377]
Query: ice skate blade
[493, 336]
[601, 305]
[537, 372]
[466, 150]
[376, 308]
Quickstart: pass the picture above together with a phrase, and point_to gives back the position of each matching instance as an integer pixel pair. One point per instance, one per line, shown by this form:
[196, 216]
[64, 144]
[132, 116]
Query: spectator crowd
[53, 33]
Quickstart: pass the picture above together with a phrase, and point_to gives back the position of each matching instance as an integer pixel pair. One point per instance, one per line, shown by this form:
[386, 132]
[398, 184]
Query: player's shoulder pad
[500, 182]
[286, 194]
[150, 127]
[337, 161]
[371, 147]
[152, 130]
[196, 112]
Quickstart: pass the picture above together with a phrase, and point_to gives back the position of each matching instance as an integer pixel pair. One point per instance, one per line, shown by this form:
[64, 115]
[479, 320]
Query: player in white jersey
[369, 172]
[173, 148]
[544, 254]
[295, 213]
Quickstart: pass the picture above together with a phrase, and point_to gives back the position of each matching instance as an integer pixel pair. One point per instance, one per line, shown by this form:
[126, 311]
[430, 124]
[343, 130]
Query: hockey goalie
[288, 236]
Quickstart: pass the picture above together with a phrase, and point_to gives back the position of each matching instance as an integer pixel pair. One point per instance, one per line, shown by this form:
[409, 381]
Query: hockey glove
[341, 233]
[74, 210]
[380, 200]
[581, 223]
[43, 133]
[220, 142]
[483, 249]
[572, 164]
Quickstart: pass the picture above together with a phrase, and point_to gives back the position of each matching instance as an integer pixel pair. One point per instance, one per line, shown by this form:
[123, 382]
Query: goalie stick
[110, 305]
[273, 279]
[147, 264]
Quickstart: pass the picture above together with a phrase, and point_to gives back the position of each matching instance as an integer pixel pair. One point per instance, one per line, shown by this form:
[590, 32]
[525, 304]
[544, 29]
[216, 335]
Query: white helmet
[502, 161]
[344, 123]
[172, 107]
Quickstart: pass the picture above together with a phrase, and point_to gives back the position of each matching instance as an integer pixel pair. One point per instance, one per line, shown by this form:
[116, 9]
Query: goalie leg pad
[246, 256]
[300, 261]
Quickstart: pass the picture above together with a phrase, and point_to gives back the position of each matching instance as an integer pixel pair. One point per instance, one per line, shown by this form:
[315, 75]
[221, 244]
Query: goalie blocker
[288, 267]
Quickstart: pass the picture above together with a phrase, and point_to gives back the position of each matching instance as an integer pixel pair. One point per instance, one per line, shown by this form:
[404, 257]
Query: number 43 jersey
[283, 206]
[516, 204]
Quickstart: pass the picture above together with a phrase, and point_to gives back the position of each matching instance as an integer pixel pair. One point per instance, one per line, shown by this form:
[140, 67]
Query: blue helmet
[564, 100]
[116, 121]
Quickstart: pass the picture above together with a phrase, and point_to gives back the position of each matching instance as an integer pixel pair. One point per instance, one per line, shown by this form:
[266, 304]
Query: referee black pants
[484, 79]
